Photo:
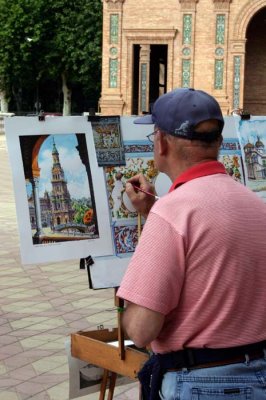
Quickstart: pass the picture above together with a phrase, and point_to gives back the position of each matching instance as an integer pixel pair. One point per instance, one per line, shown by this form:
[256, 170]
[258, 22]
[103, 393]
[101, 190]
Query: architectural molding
[238, 46]
[114, 4]
[221, 5]
[150, 34]
[244, 17]
[188, 5]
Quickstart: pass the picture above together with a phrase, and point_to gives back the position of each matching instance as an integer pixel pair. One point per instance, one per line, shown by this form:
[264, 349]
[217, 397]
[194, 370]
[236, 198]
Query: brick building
[151, 46]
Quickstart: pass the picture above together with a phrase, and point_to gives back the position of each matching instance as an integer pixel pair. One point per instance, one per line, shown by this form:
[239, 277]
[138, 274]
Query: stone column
[36, 200]
[144, 78]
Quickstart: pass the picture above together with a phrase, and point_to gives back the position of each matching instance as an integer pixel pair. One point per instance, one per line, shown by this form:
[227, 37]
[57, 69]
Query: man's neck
[177, 170]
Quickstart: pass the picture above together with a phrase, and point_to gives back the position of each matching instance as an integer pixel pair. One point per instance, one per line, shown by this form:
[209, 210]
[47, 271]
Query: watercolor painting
[116, 178]
[252, 137]
[59, 191]
[230, 156]
[108, 140]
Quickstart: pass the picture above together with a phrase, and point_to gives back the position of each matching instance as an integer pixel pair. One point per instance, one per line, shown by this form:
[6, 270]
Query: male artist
[196, 286]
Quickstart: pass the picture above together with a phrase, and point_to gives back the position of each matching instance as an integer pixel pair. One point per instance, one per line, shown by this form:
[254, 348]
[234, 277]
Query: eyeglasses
[150, 136]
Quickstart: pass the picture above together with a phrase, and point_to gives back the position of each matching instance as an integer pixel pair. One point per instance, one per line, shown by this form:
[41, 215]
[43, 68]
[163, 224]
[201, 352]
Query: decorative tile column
[237, 82]
[219, 51]
[111, 101]
[237, 51]
[188, 10]
[220, 85]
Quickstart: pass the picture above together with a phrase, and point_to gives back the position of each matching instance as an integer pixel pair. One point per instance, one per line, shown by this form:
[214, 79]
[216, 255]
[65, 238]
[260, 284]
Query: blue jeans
[243, 381]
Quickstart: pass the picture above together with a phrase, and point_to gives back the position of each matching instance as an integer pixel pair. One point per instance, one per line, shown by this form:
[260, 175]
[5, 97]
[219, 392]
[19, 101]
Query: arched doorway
[255, 65]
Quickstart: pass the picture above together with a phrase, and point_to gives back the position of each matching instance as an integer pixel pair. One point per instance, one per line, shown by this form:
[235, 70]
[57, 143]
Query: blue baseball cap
[179, 111]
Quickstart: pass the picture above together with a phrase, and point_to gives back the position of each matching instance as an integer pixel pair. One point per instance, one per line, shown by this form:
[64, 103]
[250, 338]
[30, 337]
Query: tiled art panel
[116, 178]
[230, 156]
[126, 238]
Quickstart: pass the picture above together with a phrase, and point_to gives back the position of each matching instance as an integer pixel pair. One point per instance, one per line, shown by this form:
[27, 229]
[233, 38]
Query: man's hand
[141, 201]
[141, 324]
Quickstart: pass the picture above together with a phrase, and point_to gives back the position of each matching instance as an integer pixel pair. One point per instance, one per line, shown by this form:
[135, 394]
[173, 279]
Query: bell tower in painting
[62, 212]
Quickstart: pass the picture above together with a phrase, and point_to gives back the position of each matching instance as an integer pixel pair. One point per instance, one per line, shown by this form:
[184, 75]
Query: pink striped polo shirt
[201, 261]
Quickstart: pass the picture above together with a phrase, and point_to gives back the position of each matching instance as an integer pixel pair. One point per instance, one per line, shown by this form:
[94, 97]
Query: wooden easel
[110, 375]
[94, 348]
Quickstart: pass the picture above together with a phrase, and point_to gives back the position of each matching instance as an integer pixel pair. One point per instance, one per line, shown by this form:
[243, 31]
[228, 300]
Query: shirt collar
[203, 169]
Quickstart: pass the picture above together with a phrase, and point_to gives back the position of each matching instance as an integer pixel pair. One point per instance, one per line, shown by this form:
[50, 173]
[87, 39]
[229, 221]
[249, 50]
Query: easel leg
[112, 386]
[104, 384]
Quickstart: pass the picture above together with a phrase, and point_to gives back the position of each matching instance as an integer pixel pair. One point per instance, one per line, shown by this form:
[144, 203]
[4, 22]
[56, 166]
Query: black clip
[86, 263]
[41, 116]
[244, 115]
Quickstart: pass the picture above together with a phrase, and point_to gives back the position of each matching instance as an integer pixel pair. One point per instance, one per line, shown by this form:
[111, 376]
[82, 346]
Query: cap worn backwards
[179, 111]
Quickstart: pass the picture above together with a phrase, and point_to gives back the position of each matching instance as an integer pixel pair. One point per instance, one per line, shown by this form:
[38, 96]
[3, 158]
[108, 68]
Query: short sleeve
[155, 274]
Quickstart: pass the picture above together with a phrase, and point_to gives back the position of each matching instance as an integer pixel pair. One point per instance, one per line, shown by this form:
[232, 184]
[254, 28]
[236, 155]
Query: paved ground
[40, 305]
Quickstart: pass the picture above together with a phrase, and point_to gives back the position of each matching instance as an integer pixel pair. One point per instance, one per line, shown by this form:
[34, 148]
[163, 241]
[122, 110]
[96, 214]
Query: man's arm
[141, 324]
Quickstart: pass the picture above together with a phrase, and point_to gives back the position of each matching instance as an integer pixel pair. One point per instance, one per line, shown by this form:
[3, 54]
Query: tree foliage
[43, 39]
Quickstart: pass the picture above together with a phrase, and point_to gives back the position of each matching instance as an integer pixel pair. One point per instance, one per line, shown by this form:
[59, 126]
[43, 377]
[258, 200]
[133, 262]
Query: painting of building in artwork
[252, 135]
[59, 188]
[255, 158]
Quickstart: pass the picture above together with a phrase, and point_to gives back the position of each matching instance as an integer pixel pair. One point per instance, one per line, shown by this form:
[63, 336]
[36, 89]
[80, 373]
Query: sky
[75, 172]
[250, 130]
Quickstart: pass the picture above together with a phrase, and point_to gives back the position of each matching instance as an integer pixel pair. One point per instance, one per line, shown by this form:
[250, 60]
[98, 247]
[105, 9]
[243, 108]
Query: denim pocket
[226, 393]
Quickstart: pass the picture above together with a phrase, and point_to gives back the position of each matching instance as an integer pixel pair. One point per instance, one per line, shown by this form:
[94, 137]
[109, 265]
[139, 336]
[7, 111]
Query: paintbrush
[144, 191]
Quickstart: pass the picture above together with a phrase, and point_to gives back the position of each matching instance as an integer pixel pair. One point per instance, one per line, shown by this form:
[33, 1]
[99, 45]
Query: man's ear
[163, 144]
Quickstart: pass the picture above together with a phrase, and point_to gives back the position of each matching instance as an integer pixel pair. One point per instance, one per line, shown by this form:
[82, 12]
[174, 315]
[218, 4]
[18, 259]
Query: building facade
[151, 47]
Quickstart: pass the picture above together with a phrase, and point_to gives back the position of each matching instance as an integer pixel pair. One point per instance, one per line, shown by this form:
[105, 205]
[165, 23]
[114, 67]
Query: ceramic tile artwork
[108, 140]
[116, 178]
[230, 156]
[125, 238]
[139, 159]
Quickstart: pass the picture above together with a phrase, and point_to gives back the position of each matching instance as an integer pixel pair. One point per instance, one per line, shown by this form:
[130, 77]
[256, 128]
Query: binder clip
[86, 263]
[41, 116]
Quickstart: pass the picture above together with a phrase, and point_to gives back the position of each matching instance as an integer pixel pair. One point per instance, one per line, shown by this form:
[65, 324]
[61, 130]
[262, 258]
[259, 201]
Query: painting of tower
[59, 189]
[61, 207]
[255, 158]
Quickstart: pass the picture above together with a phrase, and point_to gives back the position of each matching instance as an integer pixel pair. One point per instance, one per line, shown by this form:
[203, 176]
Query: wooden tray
[94, 347]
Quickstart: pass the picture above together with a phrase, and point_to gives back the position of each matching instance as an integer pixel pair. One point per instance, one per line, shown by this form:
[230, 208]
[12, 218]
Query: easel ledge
[94, 347]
